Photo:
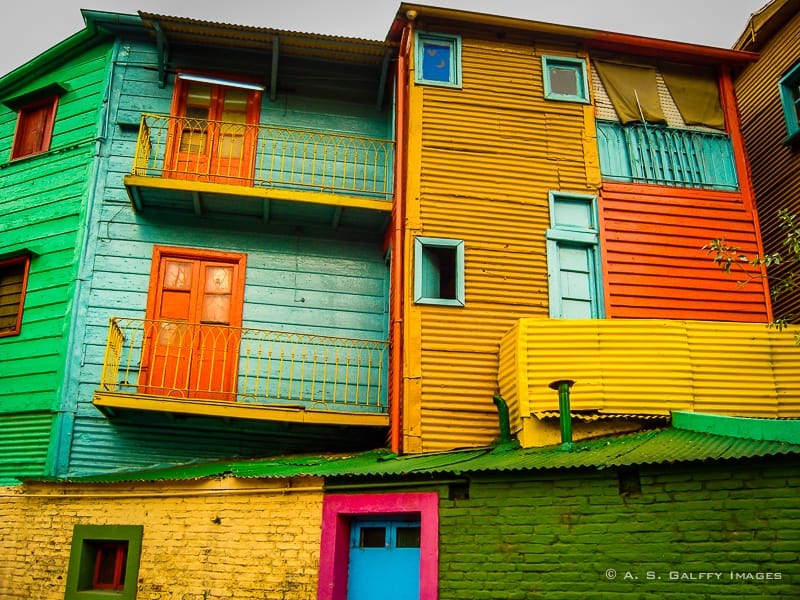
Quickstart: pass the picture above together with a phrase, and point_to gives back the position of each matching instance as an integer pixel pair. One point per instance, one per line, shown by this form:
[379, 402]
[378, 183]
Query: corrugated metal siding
[24, 443]
[489, 155]
[655, 366]
[656, 265]
[775, 167]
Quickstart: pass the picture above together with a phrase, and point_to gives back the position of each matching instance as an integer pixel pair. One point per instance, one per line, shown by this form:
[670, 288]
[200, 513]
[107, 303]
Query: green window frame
[574, 293]
[437, 59]
[439, 271]
[789, 87]
[565, 79]
[90, 540]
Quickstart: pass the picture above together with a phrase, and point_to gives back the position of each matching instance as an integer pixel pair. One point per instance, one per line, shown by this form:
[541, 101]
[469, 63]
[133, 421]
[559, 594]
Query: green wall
[42, 209]
[558, 534]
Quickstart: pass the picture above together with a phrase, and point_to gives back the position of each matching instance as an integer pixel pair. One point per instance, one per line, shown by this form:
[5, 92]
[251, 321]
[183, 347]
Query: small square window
[789, 86]
[438, 59]
[439, 271]
[565, 79]
[13, 281]
[34, 127]
[104, 562]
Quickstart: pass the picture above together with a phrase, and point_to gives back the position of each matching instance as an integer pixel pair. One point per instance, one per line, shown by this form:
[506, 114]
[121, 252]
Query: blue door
[384, 560]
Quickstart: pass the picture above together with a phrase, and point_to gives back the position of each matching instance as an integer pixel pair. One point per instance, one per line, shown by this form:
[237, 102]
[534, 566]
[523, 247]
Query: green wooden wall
[42, 209]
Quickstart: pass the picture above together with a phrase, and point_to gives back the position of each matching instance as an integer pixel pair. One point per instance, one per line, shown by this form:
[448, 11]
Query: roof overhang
[592, 38]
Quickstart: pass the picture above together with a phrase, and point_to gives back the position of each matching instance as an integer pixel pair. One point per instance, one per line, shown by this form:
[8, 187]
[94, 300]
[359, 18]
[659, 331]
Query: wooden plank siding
[43, 201]
[297, 279]
[775, 166]
[654, 259]
[482, 161]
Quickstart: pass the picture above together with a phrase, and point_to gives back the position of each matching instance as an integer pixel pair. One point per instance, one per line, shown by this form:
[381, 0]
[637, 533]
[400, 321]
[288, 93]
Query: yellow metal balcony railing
[172, 359]
[261, 155]
[628, 367]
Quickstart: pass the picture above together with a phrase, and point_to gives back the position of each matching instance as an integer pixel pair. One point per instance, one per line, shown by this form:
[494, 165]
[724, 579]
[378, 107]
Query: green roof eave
[775, 430]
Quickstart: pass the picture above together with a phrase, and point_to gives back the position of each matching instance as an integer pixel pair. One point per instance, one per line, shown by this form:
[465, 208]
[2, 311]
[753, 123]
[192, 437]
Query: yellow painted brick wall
[205, 540]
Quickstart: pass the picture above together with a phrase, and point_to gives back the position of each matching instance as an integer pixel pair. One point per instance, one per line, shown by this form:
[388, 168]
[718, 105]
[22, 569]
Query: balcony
[640, 153]
[231, 372]
[271, 173]
[642, 368]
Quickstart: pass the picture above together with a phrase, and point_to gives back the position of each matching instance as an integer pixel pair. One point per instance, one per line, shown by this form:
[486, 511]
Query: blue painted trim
[570, 234]
[453, 43]
[789, 88]
[420, 244]
[578, 66]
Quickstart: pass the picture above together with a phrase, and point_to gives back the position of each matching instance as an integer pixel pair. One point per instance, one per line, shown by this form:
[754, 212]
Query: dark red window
[109, 565]
[13, 281]
[34, 127]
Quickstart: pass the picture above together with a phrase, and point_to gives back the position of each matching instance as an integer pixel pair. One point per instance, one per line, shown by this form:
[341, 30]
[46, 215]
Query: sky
[33, 26]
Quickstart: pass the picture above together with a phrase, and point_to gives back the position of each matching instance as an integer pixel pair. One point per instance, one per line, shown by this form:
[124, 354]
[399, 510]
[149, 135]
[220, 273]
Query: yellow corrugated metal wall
[482, 160]
[652, 367]
[775, 167]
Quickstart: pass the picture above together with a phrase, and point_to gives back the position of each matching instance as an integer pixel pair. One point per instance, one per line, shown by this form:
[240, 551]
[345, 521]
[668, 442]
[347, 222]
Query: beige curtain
[633, 91]
[695, 92]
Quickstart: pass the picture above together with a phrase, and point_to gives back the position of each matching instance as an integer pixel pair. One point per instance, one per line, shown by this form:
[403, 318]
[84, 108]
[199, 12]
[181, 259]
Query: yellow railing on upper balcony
[174, 359]
[263, 155]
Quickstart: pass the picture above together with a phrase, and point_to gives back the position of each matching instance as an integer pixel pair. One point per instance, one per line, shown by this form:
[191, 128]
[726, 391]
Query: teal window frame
[563, 234]
[86, 539]
[424, 258]
[789, 87]
[577, 66]
[450, 41]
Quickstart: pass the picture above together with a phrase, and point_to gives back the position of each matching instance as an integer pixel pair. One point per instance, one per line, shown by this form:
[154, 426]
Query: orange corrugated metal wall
[655, 263]
[487, 156]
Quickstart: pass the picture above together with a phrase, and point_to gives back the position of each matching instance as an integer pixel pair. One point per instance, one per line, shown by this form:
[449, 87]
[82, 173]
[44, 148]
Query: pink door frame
[338, 510]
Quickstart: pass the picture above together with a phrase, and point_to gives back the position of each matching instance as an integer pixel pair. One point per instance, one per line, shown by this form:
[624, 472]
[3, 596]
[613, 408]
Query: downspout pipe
[505, 422]
[563, 386]
[398, 250]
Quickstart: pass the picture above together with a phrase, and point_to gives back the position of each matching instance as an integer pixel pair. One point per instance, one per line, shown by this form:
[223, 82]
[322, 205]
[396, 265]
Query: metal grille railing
[261, 155]
[666, 155]
[214, 362]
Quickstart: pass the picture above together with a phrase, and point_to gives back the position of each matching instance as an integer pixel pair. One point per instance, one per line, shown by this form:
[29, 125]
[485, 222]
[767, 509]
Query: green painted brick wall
[561, 534]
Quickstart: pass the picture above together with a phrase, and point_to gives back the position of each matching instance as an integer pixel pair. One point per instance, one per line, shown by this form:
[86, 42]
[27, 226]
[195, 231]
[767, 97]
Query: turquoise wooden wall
[43, 200]
[298, 279]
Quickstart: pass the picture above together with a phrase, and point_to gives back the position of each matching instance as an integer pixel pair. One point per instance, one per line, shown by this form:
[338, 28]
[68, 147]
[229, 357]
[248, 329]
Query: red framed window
[109, 565]
[13, 282]
[34, 127]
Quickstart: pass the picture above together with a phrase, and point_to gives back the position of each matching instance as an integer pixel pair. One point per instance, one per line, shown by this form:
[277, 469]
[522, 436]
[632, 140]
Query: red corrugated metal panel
[656, 265]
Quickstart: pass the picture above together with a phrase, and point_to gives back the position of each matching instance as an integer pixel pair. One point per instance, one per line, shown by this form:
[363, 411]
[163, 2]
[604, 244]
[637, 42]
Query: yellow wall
[648, 367]
[482, 160]
[205, 540]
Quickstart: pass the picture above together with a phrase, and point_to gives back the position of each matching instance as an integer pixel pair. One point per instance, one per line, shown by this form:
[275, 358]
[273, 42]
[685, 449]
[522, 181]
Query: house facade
[768, 102]
[561, 185]
[414, 319]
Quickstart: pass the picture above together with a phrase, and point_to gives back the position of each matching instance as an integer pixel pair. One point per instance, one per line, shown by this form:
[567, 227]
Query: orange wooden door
[194, 315]
[213, 136]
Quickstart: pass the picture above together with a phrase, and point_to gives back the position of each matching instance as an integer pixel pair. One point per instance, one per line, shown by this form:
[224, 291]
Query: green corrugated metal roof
[661, 446]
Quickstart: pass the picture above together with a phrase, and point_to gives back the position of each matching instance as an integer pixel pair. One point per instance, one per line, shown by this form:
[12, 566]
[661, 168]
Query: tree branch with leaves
[733, 260]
